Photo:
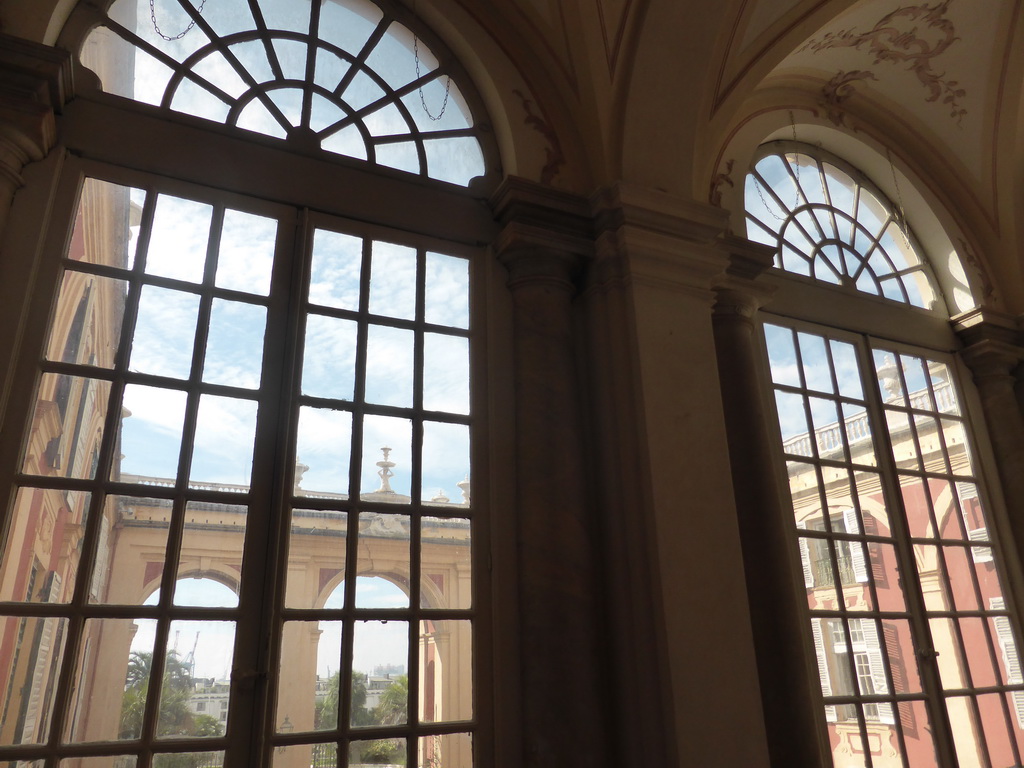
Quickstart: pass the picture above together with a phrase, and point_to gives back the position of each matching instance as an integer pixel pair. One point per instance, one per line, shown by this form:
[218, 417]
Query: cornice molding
[36, 81]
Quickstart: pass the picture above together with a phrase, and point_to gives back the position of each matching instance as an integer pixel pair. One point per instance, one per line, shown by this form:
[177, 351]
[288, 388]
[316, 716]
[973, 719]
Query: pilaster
[545, 243]
[994, 350]
[656, 386]
[35, 83]
[787, 680]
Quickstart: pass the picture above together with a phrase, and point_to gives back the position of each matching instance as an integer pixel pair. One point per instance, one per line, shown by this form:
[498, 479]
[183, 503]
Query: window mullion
[906, 559]
[261, 594]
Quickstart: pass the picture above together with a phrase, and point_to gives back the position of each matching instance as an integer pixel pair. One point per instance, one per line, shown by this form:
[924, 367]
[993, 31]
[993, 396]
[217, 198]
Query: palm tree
[393, 707]
[175, 718]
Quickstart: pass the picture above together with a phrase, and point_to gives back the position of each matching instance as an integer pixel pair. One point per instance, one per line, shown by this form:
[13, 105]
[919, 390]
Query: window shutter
[856, 549]
[805, 558]
[899, 674]
[41, 663]
[1011, 658]
[826, 683]
[873, 649]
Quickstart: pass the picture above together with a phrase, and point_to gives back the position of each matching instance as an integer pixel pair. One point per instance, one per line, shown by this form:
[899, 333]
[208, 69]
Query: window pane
[178, 240]
[29, 682]
[87, 322]
[67, 426]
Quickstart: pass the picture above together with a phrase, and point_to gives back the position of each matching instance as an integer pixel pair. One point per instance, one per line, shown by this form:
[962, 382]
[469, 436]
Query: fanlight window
[827, 223]
[343, 76]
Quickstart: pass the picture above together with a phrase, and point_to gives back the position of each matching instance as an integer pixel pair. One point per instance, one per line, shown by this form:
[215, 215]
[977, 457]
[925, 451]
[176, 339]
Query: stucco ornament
[913, 35]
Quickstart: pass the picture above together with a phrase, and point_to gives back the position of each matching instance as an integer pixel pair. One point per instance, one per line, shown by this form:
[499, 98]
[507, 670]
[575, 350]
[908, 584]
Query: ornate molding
[838, 90]
[553, 152]
[721, 178]
[914, 36]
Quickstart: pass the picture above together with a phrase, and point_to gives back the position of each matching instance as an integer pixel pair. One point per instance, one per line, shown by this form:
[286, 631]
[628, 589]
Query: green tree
[175, 718]
[326, 716]
[393, 707]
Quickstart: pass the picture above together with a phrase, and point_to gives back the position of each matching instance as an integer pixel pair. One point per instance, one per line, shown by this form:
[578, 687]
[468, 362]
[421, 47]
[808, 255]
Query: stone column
[993, 350]
[544, 243]
[774, 581]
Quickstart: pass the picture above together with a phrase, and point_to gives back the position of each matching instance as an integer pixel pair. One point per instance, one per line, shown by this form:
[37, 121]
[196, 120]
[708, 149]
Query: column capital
[737, 292]
[35, 83]
[649, 236]
[545, 234]
[993, 342]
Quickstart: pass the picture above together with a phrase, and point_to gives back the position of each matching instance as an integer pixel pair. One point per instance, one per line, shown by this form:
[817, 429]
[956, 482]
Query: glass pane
[222, 454]
[392, 438]
[446, 671]
[950, 654]
[201, 759]
[917, 507]
[974, 633]
[323, 452]
[793, 422]
[782, 355]
[328, 362]
[844, 358]
[857, 428]
[130, 553]
[107, 225]
[960, 570]
[112, 680]
[234, 347]
[455, 160]
[337, 260]
[389, 366]
[316, 557]
[386, 751]
[211, 555]
[165, 333]
[884, 569]
[393, 281]
[447, 291]
[30, 676]
[67, 426]
[445, 563]
[151, 423]
[450, 750]
[445, 373]
[179, 237]
[817, 368]
[107, 761]
[86, 327]
[995, 718]
[899, 645]
[315, 755]
[380, 684]
[197, 669]
[384, 553]
[309, 687]
[41, 552]
[445, 458]
[965, 728]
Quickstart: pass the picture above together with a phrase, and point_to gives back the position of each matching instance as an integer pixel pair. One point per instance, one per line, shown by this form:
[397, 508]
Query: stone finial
[464, 487]
[385, 472]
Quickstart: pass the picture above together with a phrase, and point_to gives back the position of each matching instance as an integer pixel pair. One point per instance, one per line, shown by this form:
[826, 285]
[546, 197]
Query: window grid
[827, 223]
[70, 621]
[825, 475]
[315, 81]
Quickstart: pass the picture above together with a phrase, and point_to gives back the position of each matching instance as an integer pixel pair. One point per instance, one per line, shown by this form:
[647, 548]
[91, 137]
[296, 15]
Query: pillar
[775, 586]
[993, 350]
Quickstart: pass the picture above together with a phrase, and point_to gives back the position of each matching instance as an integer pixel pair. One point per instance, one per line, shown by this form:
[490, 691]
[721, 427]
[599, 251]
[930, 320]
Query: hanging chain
[423, 101]
[901, 215]
[192, 23]
[447, 85]
[796, 173]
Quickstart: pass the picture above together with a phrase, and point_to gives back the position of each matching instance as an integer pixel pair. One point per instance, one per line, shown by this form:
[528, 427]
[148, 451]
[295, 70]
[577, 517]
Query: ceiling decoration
[840, 88]
[912, 37]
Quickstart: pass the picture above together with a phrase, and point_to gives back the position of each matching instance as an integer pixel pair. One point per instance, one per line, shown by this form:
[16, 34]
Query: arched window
[905, 590]
[254, 371]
